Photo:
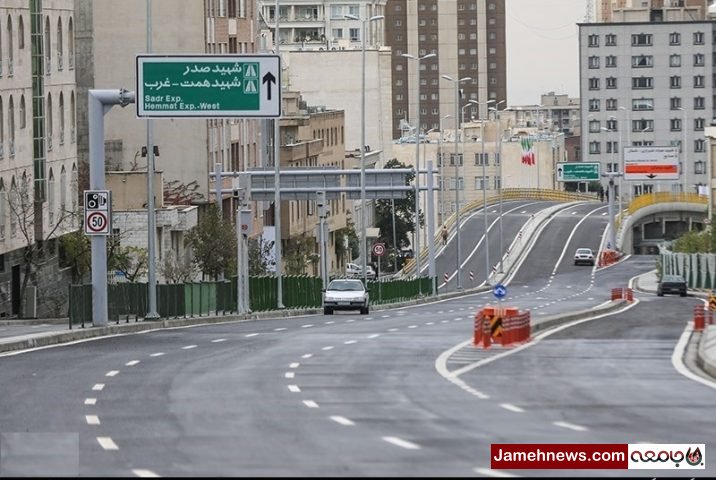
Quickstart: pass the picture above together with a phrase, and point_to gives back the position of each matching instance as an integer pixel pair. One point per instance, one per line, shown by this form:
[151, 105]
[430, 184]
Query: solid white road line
[402, 443]
[92, 419]
[290, 374]
[111, 373]
[571, 426]
[188, 347]
[294, 388]
[158, 354]
[512, 408]
[310, 404]
[90, 401]
[107, 443]
[294, 365]
[131, 363]
[98, 387]
[677, 358]
[217, 340]
[342, 420]
[144, 473]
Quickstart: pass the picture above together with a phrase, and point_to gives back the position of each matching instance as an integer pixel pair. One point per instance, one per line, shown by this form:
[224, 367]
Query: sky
[542, 48]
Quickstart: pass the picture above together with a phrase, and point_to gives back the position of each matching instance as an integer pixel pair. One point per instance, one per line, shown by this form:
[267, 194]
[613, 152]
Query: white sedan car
[345, 294]
[584, 256]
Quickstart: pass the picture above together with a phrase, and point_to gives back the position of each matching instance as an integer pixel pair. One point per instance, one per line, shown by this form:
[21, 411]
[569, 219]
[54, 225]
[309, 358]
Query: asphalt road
[394, 393]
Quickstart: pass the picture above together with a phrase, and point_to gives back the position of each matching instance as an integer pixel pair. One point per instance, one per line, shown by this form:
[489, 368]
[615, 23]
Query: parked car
[370, 273]
[672, 284]
[345, 294]
[352, 270]
[584, 256]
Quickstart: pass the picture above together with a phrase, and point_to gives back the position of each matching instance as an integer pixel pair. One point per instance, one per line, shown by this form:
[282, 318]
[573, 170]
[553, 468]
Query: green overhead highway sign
[577, 171]
[173, 86]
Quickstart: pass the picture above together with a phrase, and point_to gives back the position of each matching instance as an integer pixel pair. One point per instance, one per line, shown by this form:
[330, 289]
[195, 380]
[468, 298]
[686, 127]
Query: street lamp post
[456, 83]
[364, 240]
[441, 201]
[484, 192]
[498, 134]
[618, 165]
[417, 164]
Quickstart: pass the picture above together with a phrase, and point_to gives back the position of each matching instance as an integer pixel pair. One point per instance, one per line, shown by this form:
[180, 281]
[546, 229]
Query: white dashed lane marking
[331, 322]
[92, 419]
[308, 355]
[131, 363]
[217, 340]
[90, 401]
[327, 348]
[571, 426]
[294, 365]
[402, 443]
[98, 387]
[493, 473]
[111, 373]
[308, 325]
[375, 335]
[107, 443]
[512, 408]
[290, 374]
[280, 329]
[158, 354]
[342, 420]
[294, 388]
[144, 473]
[310, 404]
[248, 335]
[349, 342]
[188, 347]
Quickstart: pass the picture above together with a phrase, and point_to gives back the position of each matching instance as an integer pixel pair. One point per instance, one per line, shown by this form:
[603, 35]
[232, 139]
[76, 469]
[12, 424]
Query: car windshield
[673, 279]
[345, 286]
[584, 251]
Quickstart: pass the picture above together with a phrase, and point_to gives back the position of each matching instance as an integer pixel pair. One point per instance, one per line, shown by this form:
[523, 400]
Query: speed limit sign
[98, 212]
[379, 249]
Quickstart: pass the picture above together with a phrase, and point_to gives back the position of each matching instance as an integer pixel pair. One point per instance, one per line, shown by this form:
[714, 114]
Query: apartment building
[38, 153]
[647, 83]
[651, 10]
[468, 40]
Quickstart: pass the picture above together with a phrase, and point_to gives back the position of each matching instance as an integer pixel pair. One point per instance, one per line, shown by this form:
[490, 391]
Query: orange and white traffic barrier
[629, 294]
[616, 294]
[699, 318]
[477, 328]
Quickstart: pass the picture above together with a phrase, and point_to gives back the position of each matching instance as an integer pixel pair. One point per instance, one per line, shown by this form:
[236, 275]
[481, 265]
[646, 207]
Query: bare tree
[26, 218]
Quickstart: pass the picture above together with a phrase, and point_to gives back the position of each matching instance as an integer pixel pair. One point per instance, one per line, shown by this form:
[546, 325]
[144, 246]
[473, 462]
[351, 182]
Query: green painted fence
[698, 269]
[129, 300]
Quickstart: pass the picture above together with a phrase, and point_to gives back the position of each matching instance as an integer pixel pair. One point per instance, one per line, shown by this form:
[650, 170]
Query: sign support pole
[99, 103]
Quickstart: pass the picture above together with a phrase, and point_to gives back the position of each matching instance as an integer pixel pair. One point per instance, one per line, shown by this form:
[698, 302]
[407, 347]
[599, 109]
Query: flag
[528, 154]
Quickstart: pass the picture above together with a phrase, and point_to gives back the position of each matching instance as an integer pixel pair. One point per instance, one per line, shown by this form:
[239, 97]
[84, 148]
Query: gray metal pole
[417, 183]
[484, 203]
[218, 169]
[431, 229]
[277, 174]
[395, 236]
[100, 102]
[457, 194]
[239, 266]
[499, 150]
[364, 240]
[151, 220]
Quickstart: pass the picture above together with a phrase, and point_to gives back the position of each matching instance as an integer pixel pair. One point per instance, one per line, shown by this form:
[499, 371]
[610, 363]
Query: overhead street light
[417, 167]
[364, 240]
[456, 83]
[483, 161]
[498, 134]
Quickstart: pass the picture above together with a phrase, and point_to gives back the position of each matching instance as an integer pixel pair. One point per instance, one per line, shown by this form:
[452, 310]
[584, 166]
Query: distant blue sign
[499, 290]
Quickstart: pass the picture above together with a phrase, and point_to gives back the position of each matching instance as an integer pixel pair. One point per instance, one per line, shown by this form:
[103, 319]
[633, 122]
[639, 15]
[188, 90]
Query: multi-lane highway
[395, 393]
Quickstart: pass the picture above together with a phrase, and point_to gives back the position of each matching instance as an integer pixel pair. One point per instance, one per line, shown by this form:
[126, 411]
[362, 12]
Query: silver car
[345, 294]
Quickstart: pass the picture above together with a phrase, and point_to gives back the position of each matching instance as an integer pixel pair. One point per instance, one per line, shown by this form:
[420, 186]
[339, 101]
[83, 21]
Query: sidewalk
[706, 350]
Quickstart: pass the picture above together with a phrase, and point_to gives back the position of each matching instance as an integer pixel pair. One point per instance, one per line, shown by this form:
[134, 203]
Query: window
[594, 147]
[698, 124]
[23, 118]
[675, 124]
[700, 145]
[612, 147]
[612, 104]
[612, 124]
[20, 33]
[72, 117]
[63, 191]
[3, 217]
[594, 61]
[699, 103]
[611, 82]
[59, 44]
[480, 182]
[594, 126]
[642, 61]
[482, 159]
[48, 114]
[641, 39]
[674, 60]
[675, 81]
[641, 125]
[62, 119]
[698, 38]
[642, 104]
[593, 40]
[593, 104]
[354, 34]
[674, 38]
[594, 84]
[48, 52]
[51, 197]
[459, 159]
[71, 46]
[642, 82]
[611, 61]
[699, 81]
[699, 60]
[675, 103]
[460, 183]
[610, 40]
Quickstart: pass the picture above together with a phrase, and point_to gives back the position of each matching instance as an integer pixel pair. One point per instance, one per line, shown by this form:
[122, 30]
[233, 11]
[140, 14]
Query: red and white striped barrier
[472, 276]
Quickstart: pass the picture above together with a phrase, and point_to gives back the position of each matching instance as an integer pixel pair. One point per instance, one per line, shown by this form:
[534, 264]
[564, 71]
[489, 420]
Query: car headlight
[329, 298]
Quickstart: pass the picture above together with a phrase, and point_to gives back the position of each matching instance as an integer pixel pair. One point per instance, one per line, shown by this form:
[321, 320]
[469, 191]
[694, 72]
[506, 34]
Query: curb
[707, 341]
[556, 320]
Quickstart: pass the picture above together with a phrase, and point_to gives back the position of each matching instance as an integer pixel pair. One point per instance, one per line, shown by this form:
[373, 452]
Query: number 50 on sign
[98, 212]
